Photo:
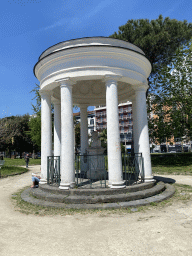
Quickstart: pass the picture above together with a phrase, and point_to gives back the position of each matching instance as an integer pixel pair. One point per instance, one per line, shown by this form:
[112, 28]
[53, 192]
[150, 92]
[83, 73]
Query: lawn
[11, 170]
[12, 166]
[19, 162]
[180, 163]
[178, 170]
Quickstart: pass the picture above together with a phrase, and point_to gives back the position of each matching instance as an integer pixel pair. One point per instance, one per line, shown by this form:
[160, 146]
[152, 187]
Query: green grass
[28, 208]
[11, 166]
[175, 170]
[11, 170]
[165, 165]
[180, 163]
[17, 162]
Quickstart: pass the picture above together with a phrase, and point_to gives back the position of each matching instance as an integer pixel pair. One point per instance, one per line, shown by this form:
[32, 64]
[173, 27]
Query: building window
[121, 109]
[92, 121]
[122, 129]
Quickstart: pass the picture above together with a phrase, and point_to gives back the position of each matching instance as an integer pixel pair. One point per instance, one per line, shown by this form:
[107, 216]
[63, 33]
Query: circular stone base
[131, 196]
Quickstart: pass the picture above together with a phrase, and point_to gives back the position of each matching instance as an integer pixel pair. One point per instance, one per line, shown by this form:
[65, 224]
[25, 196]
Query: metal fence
[53, 170]
[133, 171]
[91, 171]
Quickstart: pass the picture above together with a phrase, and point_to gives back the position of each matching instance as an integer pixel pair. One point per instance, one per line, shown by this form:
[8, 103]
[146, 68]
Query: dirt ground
[160, 231]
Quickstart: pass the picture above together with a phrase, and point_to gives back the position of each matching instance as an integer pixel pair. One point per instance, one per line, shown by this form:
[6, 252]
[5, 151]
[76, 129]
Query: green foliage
[14, 134]
[35, 121]
[35, 130]
[172, 100]
[77, 134]
[103, 138]
[37, 106]
[180, 159]
[11, 170]
[159, 39]
[20, 162]
[122, 148]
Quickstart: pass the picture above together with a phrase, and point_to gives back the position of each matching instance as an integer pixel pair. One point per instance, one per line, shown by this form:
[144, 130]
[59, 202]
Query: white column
[84, 128]
[46, 134]
[67, 136]
[57, 128]
[142, 136]
[113, 136]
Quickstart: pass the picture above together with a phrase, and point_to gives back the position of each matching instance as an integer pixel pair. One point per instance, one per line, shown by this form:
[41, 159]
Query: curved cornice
[87, 46]
[85, 40]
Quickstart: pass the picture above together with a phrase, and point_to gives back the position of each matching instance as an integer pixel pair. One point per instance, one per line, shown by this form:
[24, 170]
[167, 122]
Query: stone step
[167, 193]
[94, 199]
[96, 191]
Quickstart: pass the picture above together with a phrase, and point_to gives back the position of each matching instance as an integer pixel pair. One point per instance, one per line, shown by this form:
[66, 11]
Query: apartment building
[125, 121]
[90, 120]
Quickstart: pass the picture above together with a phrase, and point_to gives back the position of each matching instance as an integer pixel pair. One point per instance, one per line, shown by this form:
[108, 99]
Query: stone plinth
[95, 159]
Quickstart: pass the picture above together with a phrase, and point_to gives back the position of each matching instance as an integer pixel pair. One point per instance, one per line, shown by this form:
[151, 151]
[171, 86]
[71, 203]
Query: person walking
[27, 160]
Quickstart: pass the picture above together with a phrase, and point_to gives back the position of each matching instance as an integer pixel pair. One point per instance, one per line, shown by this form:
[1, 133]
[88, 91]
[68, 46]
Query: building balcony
[101, 127]
[126, 139]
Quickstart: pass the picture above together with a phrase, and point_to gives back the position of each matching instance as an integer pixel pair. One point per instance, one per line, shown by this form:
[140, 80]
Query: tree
[14, 134]
[159, 39]
[37, 106]
[172, 102]
[35, 130]
[77, 134]
[103, 138]
[35, 121]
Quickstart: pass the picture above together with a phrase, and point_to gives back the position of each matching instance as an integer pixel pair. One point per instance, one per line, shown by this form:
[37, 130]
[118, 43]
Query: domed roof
[90, 41]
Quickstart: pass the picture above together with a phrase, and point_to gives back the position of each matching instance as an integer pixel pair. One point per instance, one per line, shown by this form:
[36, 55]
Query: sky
[28, 27]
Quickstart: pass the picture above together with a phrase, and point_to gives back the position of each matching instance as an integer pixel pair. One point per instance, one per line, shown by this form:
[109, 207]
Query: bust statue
[96, 141]
[96, 163]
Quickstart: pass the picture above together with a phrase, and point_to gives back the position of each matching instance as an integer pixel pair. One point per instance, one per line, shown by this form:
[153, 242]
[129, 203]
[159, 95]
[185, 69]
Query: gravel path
[164, 231]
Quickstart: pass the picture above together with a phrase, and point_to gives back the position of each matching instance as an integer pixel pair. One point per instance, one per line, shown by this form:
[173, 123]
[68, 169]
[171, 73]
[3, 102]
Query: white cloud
[82, 17]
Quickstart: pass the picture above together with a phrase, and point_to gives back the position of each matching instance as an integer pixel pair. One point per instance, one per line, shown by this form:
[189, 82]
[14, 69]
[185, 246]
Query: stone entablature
[88, 66]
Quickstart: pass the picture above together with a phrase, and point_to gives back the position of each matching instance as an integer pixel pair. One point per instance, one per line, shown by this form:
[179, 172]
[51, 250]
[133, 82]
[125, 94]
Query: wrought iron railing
[133, 170]
[91, 171]
[53, 170]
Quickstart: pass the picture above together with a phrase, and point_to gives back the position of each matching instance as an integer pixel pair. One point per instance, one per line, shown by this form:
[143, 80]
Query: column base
[43, 181]
[116, 185]
[67, 185]
[149, 179]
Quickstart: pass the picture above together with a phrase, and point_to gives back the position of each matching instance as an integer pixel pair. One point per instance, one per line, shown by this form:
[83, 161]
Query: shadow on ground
[164, 179]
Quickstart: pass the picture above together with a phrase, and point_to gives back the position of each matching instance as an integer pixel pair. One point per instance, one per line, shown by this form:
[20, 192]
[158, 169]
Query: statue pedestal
[96, 163]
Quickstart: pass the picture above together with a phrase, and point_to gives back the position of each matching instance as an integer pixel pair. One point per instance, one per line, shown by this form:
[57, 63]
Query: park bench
[1, 164]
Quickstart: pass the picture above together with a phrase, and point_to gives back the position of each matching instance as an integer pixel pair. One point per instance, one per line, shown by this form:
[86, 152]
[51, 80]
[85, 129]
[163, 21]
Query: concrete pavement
[162, 231]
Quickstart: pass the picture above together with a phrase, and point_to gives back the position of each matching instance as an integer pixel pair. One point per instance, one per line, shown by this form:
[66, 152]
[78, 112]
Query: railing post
[48, 170]
[59, 170]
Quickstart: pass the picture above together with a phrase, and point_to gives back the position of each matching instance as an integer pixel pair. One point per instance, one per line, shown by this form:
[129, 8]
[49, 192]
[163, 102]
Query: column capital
[84, 105]
[55, 101]
[64, 82]
[132, 98]
[111, 78]
[44, 92]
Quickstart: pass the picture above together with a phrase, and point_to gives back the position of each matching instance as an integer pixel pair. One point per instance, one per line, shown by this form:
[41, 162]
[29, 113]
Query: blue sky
[28, 27]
